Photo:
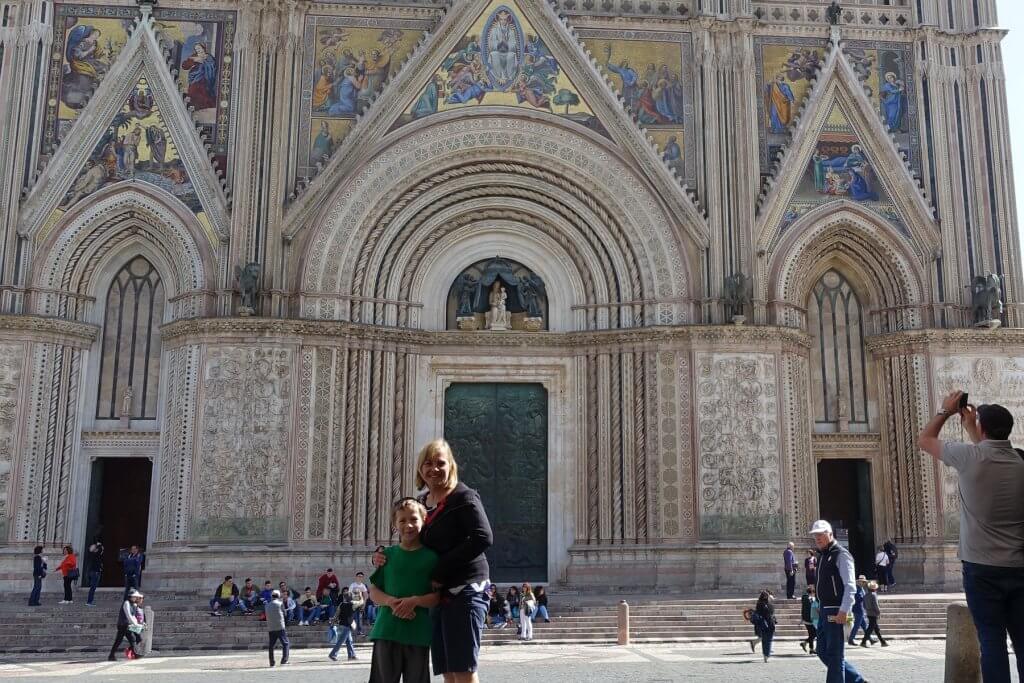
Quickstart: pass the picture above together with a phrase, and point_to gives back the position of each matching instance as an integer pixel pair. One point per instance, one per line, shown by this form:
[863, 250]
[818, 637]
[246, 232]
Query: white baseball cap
[821, 527]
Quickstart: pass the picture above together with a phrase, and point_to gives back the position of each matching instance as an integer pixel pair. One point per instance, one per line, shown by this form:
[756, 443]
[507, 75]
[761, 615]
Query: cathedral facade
[674, 277]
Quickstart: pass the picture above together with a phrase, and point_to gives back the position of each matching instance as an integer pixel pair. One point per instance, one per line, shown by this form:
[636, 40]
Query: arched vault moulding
[118, 222]
[447, 171]
[477, 241]
[877, 261]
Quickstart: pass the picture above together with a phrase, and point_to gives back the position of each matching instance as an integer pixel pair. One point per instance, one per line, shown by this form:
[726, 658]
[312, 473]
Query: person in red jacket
[324, 584]
[69, 571]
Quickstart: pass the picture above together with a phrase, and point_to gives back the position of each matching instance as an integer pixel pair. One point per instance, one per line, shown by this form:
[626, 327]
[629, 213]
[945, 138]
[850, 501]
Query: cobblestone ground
[902, 662]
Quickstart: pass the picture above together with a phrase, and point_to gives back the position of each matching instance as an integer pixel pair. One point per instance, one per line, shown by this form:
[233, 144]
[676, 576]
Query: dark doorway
[499, 433]
[118, 510]
[844, 499]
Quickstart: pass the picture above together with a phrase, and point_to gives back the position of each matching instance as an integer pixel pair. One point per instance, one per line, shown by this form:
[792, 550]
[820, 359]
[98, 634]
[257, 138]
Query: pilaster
[25, 37]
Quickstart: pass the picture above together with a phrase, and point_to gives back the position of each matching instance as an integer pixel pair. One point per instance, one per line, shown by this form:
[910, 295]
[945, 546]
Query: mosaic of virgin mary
[503, 48]
[85, 65]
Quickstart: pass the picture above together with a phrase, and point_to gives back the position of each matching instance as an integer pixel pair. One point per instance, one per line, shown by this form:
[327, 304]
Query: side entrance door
[499, 433]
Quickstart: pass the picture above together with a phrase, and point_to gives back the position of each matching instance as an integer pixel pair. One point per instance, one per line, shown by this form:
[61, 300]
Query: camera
[963, 402]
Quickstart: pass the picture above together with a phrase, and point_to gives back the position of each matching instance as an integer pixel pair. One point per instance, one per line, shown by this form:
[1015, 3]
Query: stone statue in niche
[986, 306]
[842, 414]
[531, 291]
[498, 317]
[834, 13]
[465, 287]
[126, 403]
[248, 285]
[735, 297]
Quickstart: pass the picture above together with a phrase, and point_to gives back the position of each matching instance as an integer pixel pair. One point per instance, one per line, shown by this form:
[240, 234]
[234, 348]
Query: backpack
[760, 625]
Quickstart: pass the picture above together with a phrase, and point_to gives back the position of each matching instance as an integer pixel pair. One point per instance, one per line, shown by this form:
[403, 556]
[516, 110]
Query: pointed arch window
[130, 353]
[835, 320]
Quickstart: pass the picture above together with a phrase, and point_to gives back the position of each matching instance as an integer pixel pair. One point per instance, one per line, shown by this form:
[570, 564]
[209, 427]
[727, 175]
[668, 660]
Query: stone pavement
[920, 660]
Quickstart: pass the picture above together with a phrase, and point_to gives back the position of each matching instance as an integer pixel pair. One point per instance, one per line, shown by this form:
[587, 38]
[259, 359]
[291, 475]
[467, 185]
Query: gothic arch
[848, 238]
[120, 222]
[440, 175]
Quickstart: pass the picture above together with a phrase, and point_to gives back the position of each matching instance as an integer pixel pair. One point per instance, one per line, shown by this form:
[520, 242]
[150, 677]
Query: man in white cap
[836, 588]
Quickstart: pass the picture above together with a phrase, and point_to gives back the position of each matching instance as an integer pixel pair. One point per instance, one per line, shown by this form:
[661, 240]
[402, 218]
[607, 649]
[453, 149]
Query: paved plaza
[920, 660]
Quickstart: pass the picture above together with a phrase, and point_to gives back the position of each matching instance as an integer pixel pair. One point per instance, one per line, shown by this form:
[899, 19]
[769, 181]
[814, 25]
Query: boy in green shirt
[401, 587]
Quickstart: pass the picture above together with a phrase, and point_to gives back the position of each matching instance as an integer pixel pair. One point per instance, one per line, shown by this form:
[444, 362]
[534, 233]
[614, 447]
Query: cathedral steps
[183, 623]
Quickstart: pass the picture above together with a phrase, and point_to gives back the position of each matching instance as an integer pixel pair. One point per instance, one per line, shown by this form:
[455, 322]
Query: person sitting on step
[225, 596]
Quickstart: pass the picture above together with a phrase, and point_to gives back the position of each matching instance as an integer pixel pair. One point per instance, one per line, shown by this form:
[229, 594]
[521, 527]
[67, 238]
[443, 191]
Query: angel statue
[248, 283]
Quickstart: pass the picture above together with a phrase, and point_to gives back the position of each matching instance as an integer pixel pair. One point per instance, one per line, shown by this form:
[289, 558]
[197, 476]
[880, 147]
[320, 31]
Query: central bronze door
[499, 433]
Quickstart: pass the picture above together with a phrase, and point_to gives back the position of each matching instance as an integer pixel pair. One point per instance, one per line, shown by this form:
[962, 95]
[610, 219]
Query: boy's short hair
[227, 578]
[995, 420]
[407, 504]
[267, 583]
[308, 588]
[359, 574]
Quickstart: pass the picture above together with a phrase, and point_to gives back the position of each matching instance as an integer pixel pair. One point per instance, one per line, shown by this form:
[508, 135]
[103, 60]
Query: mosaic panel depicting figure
[651, 71]
[89, 38]
[840, 169]
[786, 66]
[501, 61]
[136, 147]
[346, 62]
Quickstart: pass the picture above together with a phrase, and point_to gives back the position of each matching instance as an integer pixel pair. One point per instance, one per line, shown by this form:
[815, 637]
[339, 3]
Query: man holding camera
[991, 487]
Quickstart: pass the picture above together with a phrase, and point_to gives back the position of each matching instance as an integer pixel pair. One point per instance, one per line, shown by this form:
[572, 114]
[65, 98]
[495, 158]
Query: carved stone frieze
[12, 366]
[241, 483]
[739, 466]
[987, 379]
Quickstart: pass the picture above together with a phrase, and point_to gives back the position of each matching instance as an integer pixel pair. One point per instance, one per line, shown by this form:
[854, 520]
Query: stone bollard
[147, 633]
[623, 638]
[963, 656]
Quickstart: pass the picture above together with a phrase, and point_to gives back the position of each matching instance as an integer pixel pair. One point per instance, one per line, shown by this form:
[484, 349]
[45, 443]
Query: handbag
[74, 574]
[136, 628]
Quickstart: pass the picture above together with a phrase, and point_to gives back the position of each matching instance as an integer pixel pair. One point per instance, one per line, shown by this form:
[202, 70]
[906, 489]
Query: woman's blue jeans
[37, 588]
[94, 581]
[344, 638]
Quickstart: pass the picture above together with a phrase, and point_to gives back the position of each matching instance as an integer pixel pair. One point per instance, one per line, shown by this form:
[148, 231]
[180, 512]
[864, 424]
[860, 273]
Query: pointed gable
[88, 39]
[554, 45]
[842, 150]
[135, 128]
[137, 146]
[840, 168]
[501, 60]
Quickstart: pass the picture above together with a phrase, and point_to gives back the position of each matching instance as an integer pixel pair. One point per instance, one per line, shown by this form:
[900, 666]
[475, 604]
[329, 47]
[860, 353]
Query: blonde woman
[456, 528]
[527, 606]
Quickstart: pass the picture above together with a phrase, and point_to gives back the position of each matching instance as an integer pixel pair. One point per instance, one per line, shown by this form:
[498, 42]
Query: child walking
[274, 610]
[402, 590]
[344, 621]
[873, 612]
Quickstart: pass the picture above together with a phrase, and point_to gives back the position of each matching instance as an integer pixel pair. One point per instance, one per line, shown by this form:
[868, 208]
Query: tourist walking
[789, 567]
[809, 617]
[990, 482]
[131, 621]
[456, 529]
[39, 566]
[873, 612]
[763, 619]
[344, 622]
[527, 606]
[859, 622]
[893, 552]
[69, 572]
[133, 564]
[811, 568]
[94, 568]
[835, 590]
[402, 587]
[276, 631]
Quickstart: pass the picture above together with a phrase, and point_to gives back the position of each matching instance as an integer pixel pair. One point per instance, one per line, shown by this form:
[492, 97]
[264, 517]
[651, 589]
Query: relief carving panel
[738, 445]
[988, 379]
[242, 481]
[12, 359]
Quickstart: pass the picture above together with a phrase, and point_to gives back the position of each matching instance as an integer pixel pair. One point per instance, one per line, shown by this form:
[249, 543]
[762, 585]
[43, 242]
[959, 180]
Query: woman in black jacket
[457, 530]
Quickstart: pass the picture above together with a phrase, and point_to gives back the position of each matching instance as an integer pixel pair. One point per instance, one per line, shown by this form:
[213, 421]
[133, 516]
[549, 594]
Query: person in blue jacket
[38, 574]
